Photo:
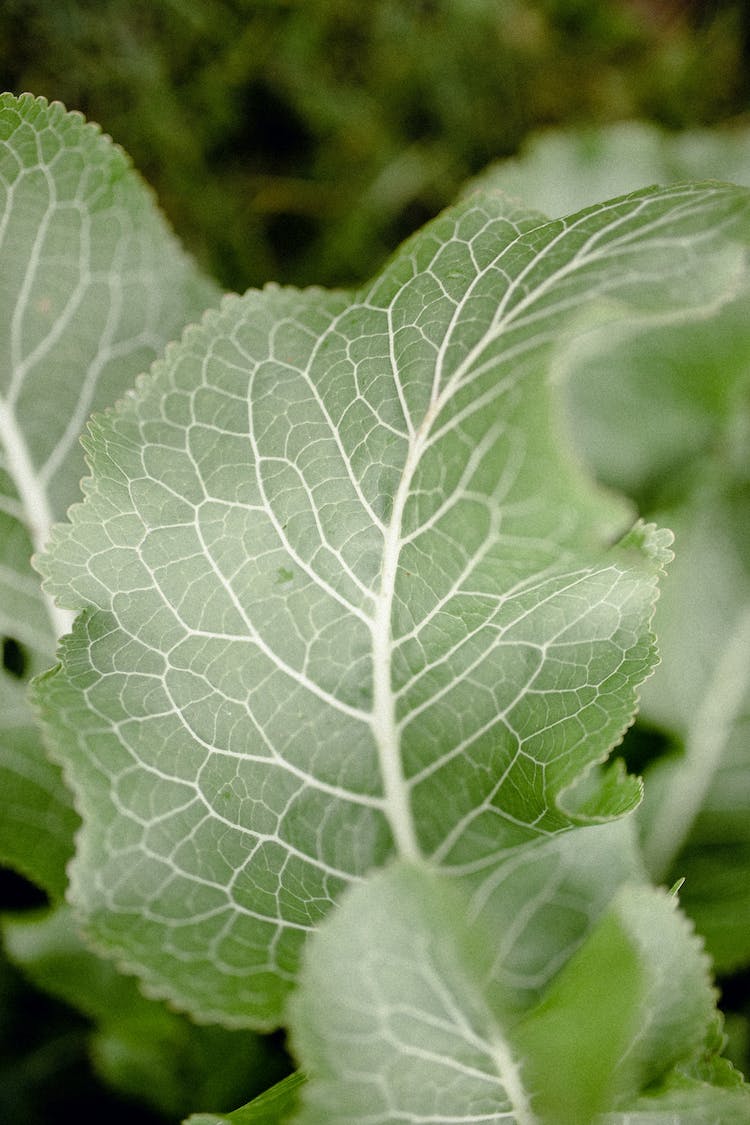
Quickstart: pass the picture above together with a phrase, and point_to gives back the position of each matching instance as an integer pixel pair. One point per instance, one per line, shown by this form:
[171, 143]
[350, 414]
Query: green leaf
[541, 903]
[648, 415]
[393, 1019]
[458, 644]
[94, 285]
[562, 170]
[390, 1020]
[272, 1108]
[632, 1003]
[652, 417]
[672, 432]
[38, 821]
[573, 1042]
[137, 1045]
[696, 821]
[686, 1102]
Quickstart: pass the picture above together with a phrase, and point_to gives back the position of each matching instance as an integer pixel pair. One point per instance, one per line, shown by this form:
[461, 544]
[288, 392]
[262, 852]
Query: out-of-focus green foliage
[301, 140]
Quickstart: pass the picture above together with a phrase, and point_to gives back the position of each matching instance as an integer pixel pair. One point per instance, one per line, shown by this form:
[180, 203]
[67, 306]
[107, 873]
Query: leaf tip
[654, 542]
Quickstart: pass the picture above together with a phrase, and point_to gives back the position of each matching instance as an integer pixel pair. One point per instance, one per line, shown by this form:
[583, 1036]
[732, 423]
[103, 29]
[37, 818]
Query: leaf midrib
[38, 517]
[396, 796]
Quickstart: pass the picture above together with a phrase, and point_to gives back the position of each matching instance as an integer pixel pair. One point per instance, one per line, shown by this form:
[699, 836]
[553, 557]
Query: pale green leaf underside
[350, 592]
[395, 1020]
[690, 1104]
[390, 1020]
[93, 286]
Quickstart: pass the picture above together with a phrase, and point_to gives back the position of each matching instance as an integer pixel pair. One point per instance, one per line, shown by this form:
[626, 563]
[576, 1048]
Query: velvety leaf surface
[93, 286]
[349, 595]
[393, 1021]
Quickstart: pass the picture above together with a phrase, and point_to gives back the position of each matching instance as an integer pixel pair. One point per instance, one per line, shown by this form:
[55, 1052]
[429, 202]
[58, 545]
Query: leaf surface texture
[94, 285]
[349, 595]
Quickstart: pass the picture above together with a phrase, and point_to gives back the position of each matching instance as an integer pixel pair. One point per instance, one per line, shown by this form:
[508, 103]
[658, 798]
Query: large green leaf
[93, 286]
[394, 1021]
[348, 594]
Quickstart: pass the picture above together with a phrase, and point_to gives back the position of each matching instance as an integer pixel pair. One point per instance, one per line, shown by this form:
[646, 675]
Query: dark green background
[301, 140]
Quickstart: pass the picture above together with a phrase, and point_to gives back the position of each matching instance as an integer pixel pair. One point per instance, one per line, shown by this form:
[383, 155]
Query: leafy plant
[356, 633]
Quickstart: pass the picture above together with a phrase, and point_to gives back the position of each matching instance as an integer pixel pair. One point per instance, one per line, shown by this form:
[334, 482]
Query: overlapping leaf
[669, 427]
[273, 1107]
[93, 286]
[349, 594]
[394, 1021]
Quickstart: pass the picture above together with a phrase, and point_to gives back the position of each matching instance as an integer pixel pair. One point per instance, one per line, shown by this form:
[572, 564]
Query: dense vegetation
[293, 142]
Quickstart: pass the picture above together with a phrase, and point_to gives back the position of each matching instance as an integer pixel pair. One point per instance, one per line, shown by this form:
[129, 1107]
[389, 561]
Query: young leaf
[348, 594]
[393, 1021]
[542, 902]
[539, 907]
[390, 1020]
[685, 1102]
[94, 285]
[631, 1004]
